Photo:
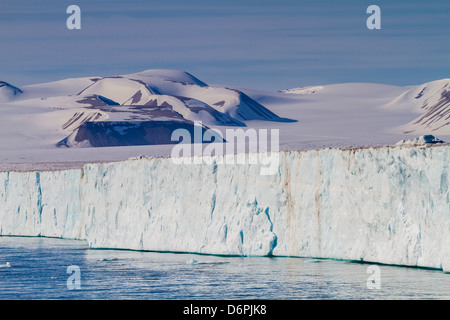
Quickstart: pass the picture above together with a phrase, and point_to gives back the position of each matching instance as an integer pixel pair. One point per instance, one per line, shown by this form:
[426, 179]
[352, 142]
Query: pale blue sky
[249, 43]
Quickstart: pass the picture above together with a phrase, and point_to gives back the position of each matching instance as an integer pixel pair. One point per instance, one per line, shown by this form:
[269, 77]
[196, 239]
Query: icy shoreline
[383, 204]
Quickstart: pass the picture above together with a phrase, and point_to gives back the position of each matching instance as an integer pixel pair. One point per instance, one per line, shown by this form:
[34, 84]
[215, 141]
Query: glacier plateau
[376, 204]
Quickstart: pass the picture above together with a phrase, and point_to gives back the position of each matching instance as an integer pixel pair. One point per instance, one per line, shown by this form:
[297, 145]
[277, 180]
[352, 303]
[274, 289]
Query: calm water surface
[39, 271]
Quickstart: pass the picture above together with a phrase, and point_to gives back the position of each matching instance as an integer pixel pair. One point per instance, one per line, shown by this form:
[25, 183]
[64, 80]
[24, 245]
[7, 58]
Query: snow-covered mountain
[428, 104]
[432, 101]
[137, 109]
[8, 91]
[143, 108]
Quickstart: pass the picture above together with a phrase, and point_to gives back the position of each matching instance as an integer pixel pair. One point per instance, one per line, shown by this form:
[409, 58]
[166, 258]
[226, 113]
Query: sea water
[44, 268]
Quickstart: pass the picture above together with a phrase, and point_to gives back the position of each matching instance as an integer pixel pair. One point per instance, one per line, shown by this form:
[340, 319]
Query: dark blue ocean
[43, 268]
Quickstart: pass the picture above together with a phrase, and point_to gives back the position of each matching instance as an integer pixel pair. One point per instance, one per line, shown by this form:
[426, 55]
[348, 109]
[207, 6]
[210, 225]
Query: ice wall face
[41, 204]
[388, 205]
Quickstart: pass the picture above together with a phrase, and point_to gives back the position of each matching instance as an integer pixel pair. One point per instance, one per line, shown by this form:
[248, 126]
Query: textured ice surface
[388, 204]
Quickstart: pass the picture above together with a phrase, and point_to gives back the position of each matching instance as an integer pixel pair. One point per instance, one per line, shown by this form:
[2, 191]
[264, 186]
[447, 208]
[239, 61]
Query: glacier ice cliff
[386, 204]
